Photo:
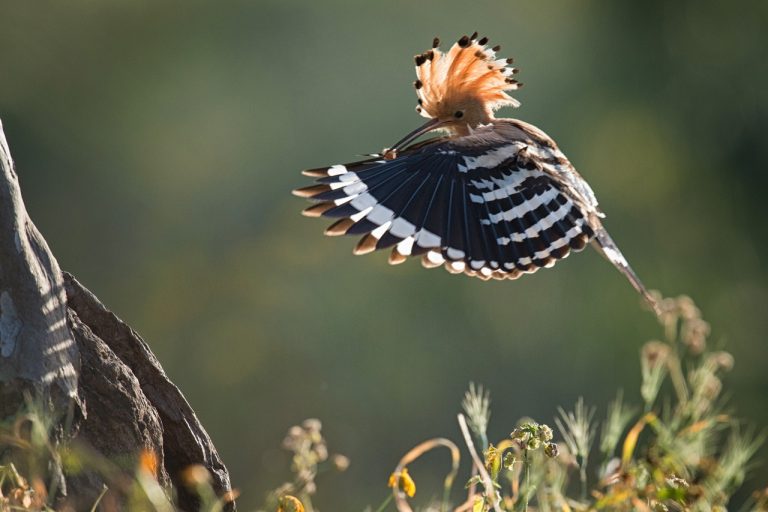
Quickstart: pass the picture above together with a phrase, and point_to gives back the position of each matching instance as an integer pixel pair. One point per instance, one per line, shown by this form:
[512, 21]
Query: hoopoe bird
[491, 197]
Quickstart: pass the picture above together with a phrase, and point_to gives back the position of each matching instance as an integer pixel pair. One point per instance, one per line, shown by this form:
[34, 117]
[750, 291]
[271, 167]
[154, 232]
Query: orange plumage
[468, 79]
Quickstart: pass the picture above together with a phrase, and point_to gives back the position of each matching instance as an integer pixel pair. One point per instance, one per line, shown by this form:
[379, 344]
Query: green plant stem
[384, 503]
[527, 467]
[306, 501]
[526, 487]
[678, 379]
[446, 497]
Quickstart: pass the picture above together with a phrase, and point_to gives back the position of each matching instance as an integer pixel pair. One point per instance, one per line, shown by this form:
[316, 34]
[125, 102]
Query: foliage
[682, 450]
[310, 457]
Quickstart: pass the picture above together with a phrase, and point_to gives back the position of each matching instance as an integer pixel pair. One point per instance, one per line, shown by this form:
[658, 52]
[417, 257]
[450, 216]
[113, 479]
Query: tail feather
[608, 248]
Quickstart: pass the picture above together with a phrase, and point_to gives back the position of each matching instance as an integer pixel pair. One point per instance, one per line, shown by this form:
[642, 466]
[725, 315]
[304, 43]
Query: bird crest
[467, 81]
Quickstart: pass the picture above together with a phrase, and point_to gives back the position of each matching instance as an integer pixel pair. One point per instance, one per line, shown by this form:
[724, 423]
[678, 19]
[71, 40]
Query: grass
[679, 449]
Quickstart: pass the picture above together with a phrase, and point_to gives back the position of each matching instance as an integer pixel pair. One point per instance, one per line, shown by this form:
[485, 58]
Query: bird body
[491, 198]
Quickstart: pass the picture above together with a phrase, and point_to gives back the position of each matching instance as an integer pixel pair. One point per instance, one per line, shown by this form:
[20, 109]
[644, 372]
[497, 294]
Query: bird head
[460, 89]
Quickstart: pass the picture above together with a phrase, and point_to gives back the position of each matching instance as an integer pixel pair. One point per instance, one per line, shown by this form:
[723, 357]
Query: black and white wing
[491, 211]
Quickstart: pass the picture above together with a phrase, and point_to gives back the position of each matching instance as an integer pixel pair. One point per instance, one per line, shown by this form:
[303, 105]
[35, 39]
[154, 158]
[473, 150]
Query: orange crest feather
[467, 76]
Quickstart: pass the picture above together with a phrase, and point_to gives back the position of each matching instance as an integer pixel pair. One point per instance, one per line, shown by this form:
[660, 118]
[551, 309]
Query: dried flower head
[655, 353]
[509, 461]
[532, 435]
[711, 387]
[721, 360]
[551, 450]
[686, 308]
[545, 433]
[340, 462]
[309, 450]
[694, 334]
[312, 425]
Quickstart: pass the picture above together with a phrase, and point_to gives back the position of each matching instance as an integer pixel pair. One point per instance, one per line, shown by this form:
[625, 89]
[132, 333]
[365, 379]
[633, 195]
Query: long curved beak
[430, 125]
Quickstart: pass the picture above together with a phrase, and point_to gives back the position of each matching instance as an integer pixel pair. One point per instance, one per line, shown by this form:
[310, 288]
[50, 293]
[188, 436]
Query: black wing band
[491, 214]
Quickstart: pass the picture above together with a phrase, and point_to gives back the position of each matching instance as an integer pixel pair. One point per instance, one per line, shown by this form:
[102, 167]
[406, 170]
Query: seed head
[551, 450]
[545, 433]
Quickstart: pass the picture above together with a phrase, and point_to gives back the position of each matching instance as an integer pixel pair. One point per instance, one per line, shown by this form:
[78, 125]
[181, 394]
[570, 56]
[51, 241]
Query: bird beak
[430, 125]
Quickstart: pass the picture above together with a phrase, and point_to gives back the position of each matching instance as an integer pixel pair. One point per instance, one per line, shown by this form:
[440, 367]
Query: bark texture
[61, 345]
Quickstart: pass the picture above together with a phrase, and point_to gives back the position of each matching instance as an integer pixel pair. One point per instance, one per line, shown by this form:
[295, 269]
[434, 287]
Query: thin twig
[487, 482]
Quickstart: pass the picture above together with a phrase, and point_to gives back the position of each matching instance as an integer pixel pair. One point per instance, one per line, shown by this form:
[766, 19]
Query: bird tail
[608, 248]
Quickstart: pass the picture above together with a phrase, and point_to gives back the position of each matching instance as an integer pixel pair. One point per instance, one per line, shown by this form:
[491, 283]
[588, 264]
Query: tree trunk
[90, 371]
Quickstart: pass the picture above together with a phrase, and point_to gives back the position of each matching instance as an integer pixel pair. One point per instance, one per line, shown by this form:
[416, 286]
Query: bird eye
[458, 114]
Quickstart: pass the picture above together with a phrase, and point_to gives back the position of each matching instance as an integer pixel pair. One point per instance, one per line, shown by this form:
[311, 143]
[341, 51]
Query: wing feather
[489, 211]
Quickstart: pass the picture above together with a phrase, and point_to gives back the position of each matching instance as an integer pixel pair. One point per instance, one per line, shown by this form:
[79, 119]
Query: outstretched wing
[491, 211]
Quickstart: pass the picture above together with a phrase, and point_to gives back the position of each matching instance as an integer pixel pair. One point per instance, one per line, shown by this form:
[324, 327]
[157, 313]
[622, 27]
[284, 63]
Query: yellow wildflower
[493, 461]
[290, 504]
[404, 482]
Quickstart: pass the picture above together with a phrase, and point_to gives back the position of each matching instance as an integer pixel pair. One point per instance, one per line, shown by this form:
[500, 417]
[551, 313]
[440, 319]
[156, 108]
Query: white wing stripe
[402, 228]
[380, 214]
[493, 158]
[359, 215]
[353, 189]
[521, 209]
[349, 177]
[364, 201]
[426, 238]
[336, 170]
[549, 221]
[405, 246]
[560, 242]
[379, 231]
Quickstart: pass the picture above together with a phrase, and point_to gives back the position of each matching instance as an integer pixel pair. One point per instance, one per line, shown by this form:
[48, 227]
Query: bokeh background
[157, 143]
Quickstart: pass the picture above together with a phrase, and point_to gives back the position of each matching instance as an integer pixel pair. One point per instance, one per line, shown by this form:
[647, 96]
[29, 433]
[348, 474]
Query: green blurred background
[157, 143]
